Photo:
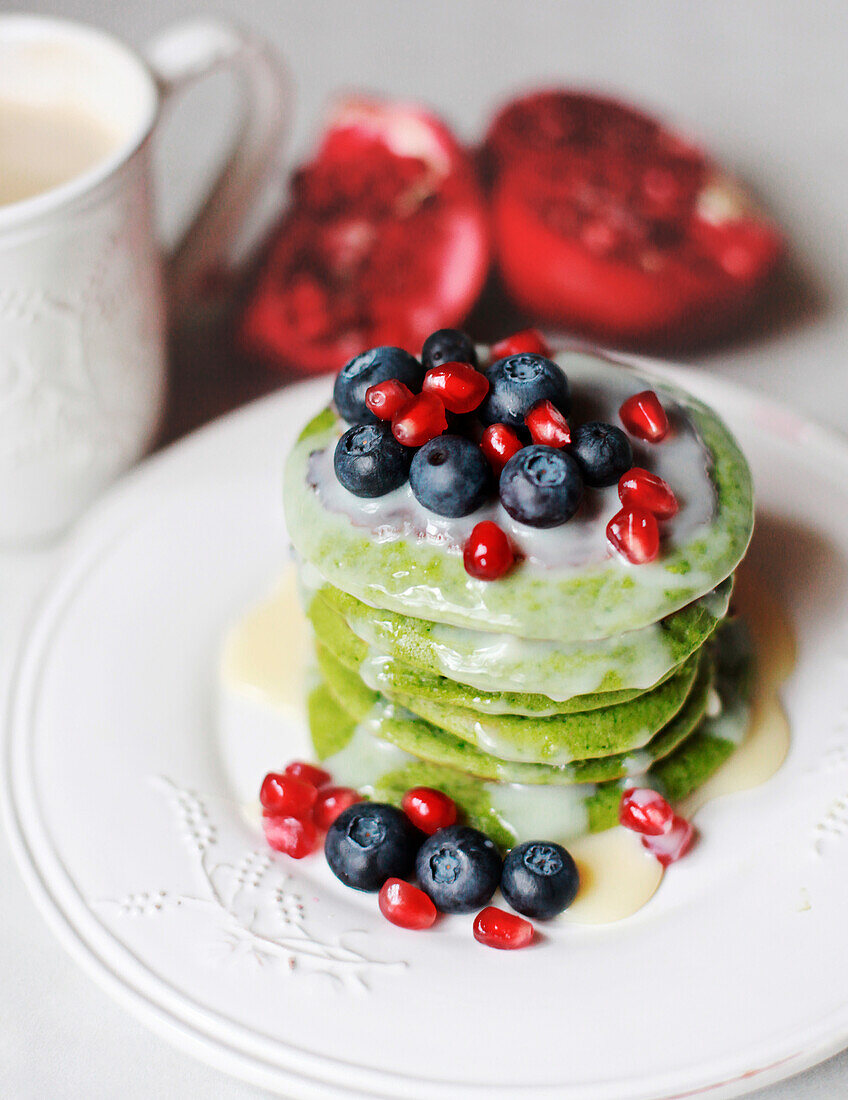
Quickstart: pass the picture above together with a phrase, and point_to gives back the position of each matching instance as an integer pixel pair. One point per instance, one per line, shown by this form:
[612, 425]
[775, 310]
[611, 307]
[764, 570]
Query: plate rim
[87, 544]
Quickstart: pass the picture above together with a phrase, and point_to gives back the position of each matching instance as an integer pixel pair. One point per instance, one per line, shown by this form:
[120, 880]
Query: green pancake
[385, 722]
[555, 740]
[561, 814]
[496, 664]
[427, 579]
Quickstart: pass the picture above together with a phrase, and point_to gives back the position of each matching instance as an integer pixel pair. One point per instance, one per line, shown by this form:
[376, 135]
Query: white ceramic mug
[83, 279]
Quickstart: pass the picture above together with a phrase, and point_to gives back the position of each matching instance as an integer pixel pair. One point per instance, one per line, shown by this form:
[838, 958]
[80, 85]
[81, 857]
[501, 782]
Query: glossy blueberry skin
[602, 452]
[539, 879]
[541, 486]
[448, 345]
[450, 476]
[459, 868]
[370, 842]
[366, 370]
[370, 462]
[517, 383]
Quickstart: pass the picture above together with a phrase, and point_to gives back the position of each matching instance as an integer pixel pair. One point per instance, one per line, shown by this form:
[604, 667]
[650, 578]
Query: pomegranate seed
[529, 340]
[487, 554]
[547, 425]
[286, 795]
[458, 386]
[634, 533]
[386, 399]
[405, 905]
[643, 416]
[309, 773]
[330, 803]
[639, 488]
[645, 811]
[429, 810]
[497, 928]
[419, 421]
[294, 836]
[674, 844]
[499, 444]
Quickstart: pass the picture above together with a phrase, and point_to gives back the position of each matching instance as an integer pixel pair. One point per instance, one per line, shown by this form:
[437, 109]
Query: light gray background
[764, 82]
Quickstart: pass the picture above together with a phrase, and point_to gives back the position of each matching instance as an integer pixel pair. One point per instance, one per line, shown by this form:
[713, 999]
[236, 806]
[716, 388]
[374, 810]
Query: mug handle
[179, 56]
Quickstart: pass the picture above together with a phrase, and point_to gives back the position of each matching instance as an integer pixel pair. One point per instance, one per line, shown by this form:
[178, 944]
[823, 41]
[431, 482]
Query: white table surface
[765, 82]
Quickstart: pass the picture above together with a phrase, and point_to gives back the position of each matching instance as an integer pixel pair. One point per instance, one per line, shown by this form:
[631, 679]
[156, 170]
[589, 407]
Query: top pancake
[570, 587]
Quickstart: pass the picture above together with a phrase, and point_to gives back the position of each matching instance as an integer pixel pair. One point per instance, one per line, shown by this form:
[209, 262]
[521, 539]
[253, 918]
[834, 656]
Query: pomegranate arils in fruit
[420, 420]
[640, 488]
[499, 444]
[309, 773]
[405, 905]
[645, 811]
[547, 425]
[331, 801]
[295, 836]
[497, 928]
[634, 533]
[428, 809]
[673, 844]
[529, 340]
[643, 416]
[487, 554]
[385, 240]
[386, 399]
[608, 223]
[458, 386]
[287, 795]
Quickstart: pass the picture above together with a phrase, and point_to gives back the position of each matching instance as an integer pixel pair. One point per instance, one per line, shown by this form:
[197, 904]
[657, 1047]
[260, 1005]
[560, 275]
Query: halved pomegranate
[385, 240]
[609, 223]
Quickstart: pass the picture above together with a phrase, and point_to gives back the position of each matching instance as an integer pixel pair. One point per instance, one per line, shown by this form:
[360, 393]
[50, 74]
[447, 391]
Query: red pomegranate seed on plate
[405, 905]
[633, 533]
[295, 836]
[487, 555]
[309, 773]
[428, 809]
[286, 795]
[386, 399]
[639, 488]
[330, 803]
[458, 386]
[645, 811]
[643, 416]
[497, 928]
[529, 341]
[674, 844]
[420, 420]
[547, 425]
[499, 444]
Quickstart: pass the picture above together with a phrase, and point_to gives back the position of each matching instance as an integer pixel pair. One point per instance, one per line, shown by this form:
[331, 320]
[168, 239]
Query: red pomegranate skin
[385, 239]
[607, 223]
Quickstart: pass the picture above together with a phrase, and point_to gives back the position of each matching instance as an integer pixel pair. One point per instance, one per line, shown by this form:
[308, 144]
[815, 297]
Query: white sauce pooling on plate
[598, 391]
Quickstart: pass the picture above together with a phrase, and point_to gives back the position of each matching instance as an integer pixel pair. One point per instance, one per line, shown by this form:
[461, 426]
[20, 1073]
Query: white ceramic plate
[124, 809]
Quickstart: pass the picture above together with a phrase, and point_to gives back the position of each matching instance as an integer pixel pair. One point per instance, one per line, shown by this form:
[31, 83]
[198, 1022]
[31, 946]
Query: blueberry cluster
[452, 474]
[458, 868]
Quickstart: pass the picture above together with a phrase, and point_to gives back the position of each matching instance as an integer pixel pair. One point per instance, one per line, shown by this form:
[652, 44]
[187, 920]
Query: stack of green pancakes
[535, 699]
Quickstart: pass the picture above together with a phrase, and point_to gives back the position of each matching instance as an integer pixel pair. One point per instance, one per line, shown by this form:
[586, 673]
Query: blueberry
[448, 345]
[370, 842]
[602, 451]
[539, 879]
[541, 486]
[369, 461]
[367, 369]
[450, 475]
[517, 383]
[459, 868]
